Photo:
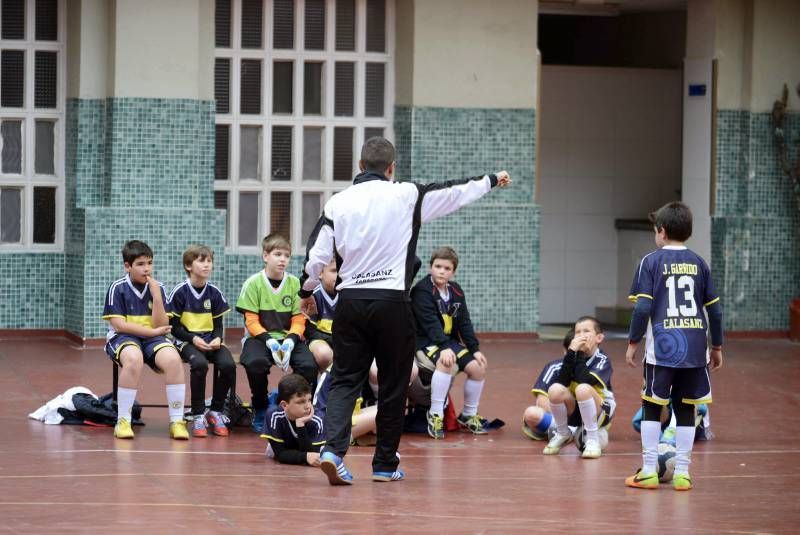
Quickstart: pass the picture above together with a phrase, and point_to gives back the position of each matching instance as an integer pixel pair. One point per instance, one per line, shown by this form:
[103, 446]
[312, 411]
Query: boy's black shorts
[463, 355]
[687, 385]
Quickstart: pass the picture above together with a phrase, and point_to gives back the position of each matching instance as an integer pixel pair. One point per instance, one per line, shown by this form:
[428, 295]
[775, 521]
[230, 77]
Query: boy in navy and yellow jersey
[676, 309]
[319, 331]
[294, 432]
[446, 336]
[537, 419]
[274, 324]
[135, 309]
[196, 308]
[582, 393]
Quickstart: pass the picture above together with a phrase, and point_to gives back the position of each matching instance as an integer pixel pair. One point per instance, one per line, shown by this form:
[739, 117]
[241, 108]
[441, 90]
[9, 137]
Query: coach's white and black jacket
[375, 249]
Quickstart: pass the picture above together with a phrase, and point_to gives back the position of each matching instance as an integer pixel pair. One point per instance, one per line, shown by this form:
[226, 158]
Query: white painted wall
[609, 147]
[467, 53]
[158, 52]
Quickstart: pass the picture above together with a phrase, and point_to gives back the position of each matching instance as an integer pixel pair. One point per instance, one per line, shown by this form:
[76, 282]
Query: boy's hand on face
[300, 422]
[578, 343]
[447, 357]
[152, 282]
[630, 354]
[503, 179]
[312, 458]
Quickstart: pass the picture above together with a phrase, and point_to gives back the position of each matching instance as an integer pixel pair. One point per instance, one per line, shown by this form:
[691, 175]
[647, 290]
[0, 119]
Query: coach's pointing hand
[503, 179]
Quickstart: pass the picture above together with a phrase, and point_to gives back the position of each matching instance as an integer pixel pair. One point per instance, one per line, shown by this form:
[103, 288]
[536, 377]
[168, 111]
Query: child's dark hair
[134, 249]
[275, 241]
[377, 154]
[445, 253]
[568, 338]
[193, 252]
[597, 327]
[676, 220]
[292, 385]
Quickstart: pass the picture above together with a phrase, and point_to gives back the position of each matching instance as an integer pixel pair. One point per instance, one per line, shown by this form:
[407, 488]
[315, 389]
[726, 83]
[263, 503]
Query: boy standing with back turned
[671, 289]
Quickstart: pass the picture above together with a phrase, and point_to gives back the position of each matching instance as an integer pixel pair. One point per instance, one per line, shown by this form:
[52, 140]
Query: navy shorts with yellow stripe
[687, 385]
[463, 355]
[148, 346]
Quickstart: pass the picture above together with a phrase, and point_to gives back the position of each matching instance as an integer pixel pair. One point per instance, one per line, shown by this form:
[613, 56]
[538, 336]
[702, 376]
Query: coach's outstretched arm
[443, 198]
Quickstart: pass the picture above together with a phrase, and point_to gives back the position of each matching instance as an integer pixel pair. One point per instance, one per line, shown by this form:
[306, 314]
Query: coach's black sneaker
[473, 424]
[435, 426]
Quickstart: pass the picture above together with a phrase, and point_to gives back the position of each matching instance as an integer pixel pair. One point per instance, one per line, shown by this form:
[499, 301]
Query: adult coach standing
[371, 229]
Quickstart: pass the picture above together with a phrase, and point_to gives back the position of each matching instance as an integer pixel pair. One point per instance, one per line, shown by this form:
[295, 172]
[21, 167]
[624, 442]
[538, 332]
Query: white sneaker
[592, 449]
[556, 443]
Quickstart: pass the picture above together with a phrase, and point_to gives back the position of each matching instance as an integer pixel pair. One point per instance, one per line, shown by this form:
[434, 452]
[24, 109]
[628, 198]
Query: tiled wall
[32, 289]
[151, 159]
[610, 149]
[498, 237]
[142, 168]
[756, 225]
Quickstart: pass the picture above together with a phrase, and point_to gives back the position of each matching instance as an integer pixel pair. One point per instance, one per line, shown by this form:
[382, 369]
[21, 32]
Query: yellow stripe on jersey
[197, 322]
[448, 323]
[537, 392]
[144, 321]
[320, 443]
[711, 302]
[633, 298]
[325, 326]
[270, 437]
[109, 316]
[222, 313]
[602, 384]
[461, 353]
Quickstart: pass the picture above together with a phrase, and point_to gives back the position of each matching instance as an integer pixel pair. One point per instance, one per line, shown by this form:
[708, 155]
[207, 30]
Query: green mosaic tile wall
[161, 152]
[756, 228]
[32, 290]
[143, 169]
[168, 231]
[498, 237]
[436, 144]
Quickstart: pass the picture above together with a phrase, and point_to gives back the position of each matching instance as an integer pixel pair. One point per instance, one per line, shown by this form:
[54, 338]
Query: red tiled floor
[79, 478]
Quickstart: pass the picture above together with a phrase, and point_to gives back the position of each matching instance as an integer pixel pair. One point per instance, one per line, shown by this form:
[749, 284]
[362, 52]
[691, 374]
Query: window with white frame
[299, 85]
[32, 66]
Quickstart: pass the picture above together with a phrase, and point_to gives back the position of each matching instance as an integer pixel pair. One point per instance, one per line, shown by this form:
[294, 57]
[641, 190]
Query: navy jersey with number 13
[679, 283]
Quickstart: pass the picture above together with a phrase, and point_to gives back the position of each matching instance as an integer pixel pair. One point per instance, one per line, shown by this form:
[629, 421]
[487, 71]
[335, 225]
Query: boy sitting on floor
[295, 434]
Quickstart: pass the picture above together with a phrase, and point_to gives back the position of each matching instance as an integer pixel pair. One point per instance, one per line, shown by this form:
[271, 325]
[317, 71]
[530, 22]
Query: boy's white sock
[440, 384]
[472, 396]
[176, 394]
[125, 398]
[651, 433]
[589, 416]
[684, 440]
[560, 416]
[374, 388]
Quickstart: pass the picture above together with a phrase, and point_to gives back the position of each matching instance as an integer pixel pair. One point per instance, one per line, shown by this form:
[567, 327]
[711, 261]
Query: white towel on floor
[48, 413]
